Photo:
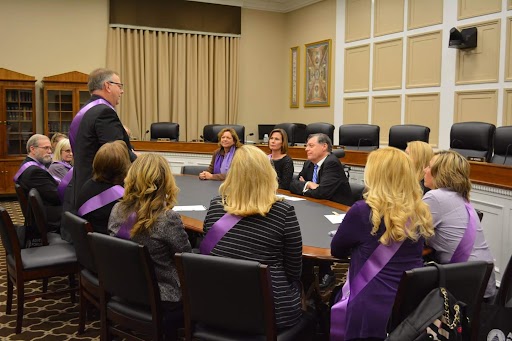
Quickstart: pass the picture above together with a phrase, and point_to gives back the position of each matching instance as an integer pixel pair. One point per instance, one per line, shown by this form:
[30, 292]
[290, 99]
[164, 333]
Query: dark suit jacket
[332, 181]
[42, 180]
[99, 125]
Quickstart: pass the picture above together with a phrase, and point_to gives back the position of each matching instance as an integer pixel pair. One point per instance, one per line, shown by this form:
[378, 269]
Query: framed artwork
[294, 77]
[317, 84]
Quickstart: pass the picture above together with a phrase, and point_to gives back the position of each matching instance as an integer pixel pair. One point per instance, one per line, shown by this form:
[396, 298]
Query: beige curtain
[191, 79]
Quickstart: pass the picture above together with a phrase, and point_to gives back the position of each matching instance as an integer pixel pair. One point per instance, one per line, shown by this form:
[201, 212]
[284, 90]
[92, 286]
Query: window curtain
[187, 78]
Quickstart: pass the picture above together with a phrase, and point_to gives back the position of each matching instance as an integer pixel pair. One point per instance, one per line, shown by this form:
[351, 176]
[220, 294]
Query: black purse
[439, 316]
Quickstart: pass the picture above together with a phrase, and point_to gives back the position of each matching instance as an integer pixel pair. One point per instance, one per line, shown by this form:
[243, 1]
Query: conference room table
[315, 227]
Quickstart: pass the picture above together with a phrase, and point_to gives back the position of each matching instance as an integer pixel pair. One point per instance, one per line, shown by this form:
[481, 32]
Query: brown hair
[111, 163]
[284, 137]
[233, 133]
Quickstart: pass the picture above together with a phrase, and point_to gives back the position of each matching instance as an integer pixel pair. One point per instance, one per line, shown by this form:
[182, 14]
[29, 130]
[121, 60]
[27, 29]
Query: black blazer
[40, 179]
[332, 181]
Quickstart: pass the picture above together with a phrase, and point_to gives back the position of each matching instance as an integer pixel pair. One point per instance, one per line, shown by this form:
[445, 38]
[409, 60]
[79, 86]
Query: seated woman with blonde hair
[62, 159]
[459, 236]
[389, 225]
[145, 216]
[421, 153]
[265, 229]
[229, 142]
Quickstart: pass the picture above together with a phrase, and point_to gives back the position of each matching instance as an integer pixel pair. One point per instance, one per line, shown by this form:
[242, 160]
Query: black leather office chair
[504, 295]
[165, 130]
[40, 220]
[465, 281]
[208, 133]
[473, 139]
[192, 169]
[211, 132]
[88, 276]
[296, 132]
[33, 264]
[399, 135]
[129, 293]
[215, 295]
[320, 127]
[503, 146]
[359, 136]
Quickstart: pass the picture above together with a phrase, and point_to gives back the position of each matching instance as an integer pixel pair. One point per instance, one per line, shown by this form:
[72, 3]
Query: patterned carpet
[44, 319]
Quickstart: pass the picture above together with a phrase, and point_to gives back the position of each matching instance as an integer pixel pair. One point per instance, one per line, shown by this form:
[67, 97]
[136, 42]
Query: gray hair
[33, 141]
[322, 138]
[98, 77]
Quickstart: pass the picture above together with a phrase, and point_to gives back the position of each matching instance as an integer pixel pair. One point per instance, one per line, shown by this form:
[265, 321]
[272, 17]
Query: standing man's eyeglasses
[120, 85]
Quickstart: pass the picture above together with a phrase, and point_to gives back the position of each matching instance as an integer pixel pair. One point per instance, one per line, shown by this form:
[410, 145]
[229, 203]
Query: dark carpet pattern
[44, 319]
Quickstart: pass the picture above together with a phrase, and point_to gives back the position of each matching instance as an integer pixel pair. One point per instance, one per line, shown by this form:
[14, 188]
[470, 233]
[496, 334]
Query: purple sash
[463, 250]
[25, 166]
[61, 189]
[126, 227]
[223, 162]
[373, 265]
[218, 230]
[73, 129]
[102, 199]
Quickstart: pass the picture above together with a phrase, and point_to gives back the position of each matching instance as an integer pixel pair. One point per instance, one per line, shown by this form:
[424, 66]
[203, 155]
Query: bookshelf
[63, 95]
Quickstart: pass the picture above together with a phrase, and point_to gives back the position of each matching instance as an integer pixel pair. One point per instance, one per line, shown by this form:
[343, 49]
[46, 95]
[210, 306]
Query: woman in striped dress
[268, 231]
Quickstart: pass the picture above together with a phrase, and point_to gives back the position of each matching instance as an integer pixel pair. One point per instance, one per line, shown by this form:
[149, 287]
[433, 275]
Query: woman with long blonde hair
[392, 214]
[420, 153]
[145, 216]
[268, 230]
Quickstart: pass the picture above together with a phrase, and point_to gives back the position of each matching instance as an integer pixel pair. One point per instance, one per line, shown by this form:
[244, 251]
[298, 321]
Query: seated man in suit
[34, 174]
[322, 176]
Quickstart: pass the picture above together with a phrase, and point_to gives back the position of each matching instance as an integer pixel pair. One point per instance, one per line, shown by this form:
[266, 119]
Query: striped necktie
[315, 174]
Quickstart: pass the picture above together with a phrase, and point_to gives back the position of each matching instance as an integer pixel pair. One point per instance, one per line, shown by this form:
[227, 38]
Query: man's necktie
[315, 174]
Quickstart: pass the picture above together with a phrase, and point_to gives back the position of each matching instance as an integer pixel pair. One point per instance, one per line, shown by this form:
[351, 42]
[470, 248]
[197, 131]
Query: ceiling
[282, 6]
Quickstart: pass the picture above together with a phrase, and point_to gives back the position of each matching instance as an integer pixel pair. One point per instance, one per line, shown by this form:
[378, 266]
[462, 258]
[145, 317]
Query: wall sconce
[465, 39]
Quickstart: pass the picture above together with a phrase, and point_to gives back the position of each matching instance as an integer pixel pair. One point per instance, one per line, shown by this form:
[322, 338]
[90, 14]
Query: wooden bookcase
[64, 95]
[17, 123]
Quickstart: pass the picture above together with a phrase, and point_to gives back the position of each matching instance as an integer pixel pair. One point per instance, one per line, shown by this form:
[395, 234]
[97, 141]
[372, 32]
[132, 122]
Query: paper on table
[286, 197]
[189, 208]
[335, 218]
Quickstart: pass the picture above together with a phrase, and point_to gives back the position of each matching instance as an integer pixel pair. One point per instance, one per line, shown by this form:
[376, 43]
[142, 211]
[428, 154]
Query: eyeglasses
[45, 148]
[67, 150]
[120, 85]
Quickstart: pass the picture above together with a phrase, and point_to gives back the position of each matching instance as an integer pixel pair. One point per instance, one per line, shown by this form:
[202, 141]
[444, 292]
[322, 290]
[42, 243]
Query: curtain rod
[175, 30]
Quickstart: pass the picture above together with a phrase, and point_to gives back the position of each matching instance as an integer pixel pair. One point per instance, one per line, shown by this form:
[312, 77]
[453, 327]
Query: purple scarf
[463, 250]
[223, 162]
[64, 163]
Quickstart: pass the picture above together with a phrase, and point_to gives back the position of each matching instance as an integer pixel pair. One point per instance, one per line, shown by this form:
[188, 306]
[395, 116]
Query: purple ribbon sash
[218, 230]
[463, 250]
[102, 199]
[25, 166]
[61, 189]
[126, 227]
[373, 265]
[75, 124]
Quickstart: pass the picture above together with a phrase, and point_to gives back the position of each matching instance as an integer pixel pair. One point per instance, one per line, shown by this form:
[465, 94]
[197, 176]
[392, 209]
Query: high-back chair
[40, 220]
[165, 130]
[503, 146]
[88, 277]
[504, 295]
[399, 135]
[23, 201]
[359, 136]
[465, 281]
[215, 295]
[296, 132]
[192, 169]
[473, 139]
[24, 265]
[320, 127]
[129, 293]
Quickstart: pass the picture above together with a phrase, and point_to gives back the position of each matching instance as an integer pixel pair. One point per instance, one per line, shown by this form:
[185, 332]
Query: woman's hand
[204, 175]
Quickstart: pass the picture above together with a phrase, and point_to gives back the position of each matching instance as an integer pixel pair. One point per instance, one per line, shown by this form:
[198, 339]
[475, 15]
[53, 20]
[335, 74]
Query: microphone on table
[144, 138]
[202, 138]
[246, 136]
[506, 153]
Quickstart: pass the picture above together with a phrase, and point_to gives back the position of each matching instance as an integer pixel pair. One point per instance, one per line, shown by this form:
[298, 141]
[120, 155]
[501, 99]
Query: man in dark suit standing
[95, 124]
[322, 176]
[33, 174]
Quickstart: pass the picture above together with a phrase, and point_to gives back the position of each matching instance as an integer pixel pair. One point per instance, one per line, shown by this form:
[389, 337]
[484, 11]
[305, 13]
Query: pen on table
[335, 213]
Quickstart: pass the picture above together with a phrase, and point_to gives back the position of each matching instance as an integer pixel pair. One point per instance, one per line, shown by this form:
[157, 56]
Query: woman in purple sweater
[392, 211]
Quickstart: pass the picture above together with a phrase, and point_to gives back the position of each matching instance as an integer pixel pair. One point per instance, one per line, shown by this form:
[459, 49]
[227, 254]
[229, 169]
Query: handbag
[496, 322]
[439, 316]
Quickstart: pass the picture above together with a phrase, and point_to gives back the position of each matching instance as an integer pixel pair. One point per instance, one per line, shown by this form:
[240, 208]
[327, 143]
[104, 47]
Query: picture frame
[317, 87]
[294, 77]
